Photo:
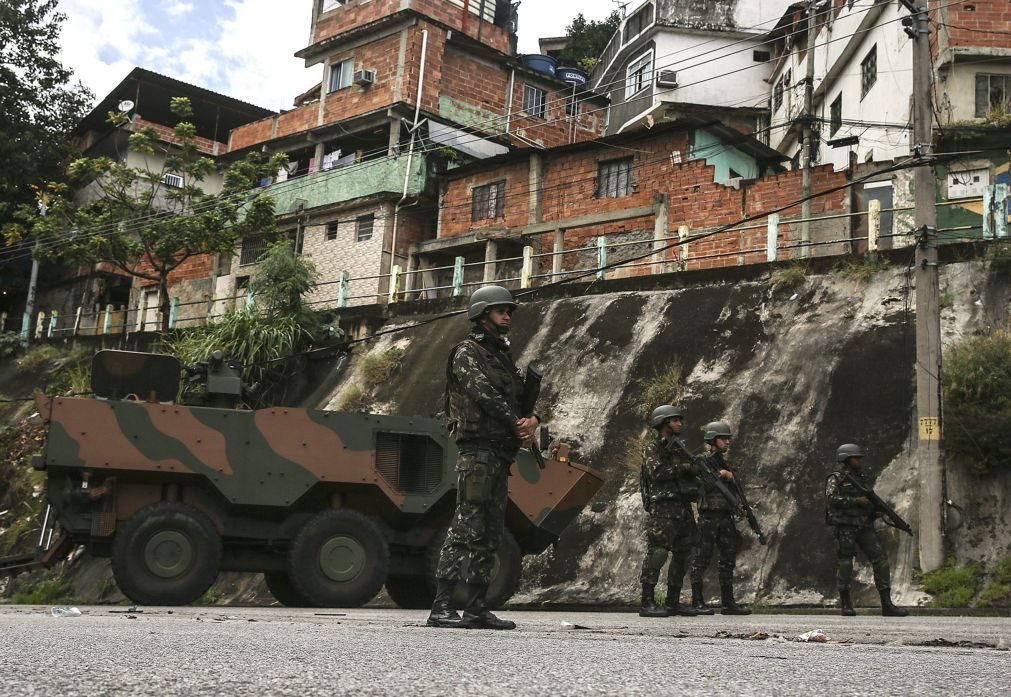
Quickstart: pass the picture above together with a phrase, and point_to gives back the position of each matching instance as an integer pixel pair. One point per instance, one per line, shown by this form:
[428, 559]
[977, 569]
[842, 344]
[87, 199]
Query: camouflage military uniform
[670, 525]
[483, 393]
[854, 528]
[717, 529]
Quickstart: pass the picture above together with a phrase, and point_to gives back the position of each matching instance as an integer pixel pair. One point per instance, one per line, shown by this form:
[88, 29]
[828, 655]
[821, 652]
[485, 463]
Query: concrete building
[407, 88]
[672, 58]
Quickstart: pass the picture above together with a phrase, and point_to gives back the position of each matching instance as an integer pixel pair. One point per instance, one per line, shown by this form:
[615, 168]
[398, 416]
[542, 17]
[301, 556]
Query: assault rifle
[891, 517]
[528, 403]
[748, 513]
[705, 471]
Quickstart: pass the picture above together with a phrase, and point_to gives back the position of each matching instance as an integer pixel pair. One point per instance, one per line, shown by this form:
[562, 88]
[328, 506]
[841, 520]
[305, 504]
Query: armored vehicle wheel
[338, 559]
[410, 592]
[281, 587]
[505, 576]
[168, 553]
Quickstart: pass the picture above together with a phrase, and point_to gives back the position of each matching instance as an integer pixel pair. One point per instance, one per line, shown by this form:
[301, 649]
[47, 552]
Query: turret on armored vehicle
[329, 506]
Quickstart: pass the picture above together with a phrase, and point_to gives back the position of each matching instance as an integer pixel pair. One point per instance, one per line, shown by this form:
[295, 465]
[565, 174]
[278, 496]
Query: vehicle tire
[505, 576]
[168, 553]
[338, 559]
[283, 590]
[410, 592]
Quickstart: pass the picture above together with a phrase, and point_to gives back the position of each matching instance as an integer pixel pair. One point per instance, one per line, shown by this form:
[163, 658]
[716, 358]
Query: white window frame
[639, 77]
[360, 234]
[328, 5]
[345, 71]
[540, 109]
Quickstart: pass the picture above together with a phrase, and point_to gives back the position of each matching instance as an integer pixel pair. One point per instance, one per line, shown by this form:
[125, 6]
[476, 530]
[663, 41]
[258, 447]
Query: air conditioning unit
[173, 180]
[364, 77]
[667, 78]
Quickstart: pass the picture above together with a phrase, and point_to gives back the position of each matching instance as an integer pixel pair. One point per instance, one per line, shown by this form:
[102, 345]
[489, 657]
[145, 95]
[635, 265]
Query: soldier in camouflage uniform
[717, 527]
[853, 516]
[668, 485]
[483, 389]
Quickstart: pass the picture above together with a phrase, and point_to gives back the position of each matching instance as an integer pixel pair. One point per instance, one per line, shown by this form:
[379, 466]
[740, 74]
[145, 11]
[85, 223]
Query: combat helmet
[484, 298]
[663, 413]
[848, 450]
[715, 429]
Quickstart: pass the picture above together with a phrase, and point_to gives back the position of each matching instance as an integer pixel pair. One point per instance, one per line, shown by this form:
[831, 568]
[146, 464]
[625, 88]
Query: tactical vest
[712, 499]
[468, 420]
[667, 484]
[840, 501]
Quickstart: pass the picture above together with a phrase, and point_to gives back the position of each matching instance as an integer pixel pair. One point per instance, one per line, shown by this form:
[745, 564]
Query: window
[488, 201]
[835, 114]
[572, 106]
[637, 23]
[341, 74]
[761, 56]
[614, 178]
[331, 4]
[869, 71]
[639, 74]
[534, 101]
[363, 231]
[252, 249]
[781, 86]
[993, 93]
[331, 230]
[173, 180]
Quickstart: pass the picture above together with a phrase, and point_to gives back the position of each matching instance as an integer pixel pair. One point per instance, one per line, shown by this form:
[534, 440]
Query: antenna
[622, 6]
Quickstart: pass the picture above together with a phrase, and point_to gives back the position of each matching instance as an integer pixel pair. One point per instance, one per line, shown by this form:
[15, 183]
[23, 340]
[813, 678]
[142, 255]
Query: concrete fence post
[40, 325]
[458, 276]
[660, 235]
[873, 224]
[528, 267]
[1000, 211]
[988, 197]
[141, 312]
[173, 313]
[683, 232]
[54, 317]
[107, 323]
[77, 321]
[601, 257]
[3, 321]
[558, 252]
[772, 244]
[394, 282]
[343, 289]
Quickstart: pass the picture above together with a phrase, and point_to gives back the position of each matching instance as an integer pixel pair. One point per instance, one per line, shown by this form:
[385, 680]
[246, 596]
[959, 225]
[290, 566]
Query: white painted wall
[956, 99]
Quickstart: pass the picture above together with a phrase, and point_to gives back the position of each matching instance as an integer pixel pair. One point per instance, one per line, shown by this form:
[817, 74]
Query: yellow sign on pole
[930, 428]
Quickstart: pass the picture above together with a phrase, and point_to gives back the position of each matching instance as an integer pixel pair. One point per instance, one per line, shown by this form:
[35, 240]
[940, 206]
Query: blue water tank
[539, 63]
[573, 76]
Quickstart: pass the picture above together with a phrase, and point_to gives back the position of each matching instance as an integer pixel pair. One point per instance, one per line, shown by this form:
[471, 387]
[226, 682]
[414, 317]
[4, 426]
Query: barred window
[614, 178]
[993, 93]
[869, 71]
[534, 101]
[331, 230]
[835, 115]
[363, 231]
[488, 201]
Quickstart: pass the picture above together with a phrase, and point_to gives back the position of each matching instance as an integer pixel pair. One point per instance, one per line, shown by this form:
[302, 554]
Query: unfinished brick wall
[167, 135]
[977, 24]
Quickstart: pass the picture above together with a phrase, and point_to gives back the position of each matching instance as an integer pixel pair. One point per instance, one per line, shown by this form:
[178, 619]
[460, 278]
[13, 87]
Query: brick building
[407, 88]
[638, 192]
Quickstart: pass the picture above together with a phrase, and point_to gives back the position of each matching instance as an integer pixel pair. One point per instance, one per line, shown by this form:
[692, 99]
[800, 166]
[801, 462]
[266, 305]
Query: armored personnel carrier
[329, 506]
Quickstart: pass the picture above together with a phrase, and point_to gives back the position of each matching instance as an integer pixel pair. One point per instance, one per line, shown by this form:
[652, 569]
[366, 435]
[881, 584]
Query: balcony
[342, 184]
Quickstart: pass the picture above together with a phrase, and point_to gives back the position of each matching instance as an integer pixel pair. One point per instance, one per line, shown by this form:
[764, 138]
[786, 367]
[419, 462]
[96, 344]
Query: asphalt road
[279, 651]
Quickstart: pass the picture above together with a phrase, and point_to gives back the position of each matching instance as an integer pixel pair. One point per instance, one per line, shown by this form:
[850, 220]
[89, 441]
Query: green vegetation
[38, 356]
[353, 398]
[952, 585]
[10, 344]
[664, 386]
[945, 300]
[861, 268]
[977, 392]
[998, 591]
[789, 277]
[378, 368]
[208, 598]
[49, 591]
[588, 39]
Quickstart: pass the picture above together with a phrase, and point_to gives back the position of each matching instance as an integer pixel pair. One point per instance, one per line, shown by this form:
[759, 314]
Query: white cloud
[178, 9]
[551, 18]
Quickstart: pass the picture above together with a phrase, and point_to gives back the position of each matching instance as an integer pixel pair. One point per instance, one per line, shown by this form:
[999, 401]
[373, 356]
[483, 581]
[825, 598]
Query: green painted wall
[383, 175]
[968, 213]
[722, 157]
[467, 114]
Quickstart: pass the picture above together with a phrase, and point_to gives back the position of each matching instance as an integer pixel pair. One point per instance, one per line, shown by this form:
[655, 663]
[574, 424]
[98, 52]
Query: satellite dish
[125, 105]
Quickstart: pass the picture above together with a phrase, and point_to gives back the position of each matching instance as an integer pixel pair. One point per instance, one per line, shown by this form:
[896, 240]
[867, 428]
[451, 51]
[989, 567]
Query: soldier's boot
[649, 607]
[699, 601]
[443, 614]
[674, 606]
[730, 606]
[846, 604]
[887, 609]
[477, 614]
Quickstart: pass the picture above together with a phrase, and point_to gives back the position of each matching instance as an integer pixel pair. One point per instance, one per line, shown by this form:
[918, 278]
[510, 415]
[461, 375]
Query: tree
[144, 222]
[588, 39]
[38, 104]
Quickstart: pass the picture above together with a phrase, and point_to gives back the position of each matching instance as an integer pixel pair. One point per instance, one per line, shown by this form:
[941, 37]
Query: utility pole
[929, 446]
[805, 207]
[33, 281]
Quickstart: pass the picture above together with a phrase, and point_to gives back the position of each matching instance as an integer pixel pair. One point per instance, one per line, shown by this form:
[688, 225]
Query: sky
[242, 48]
